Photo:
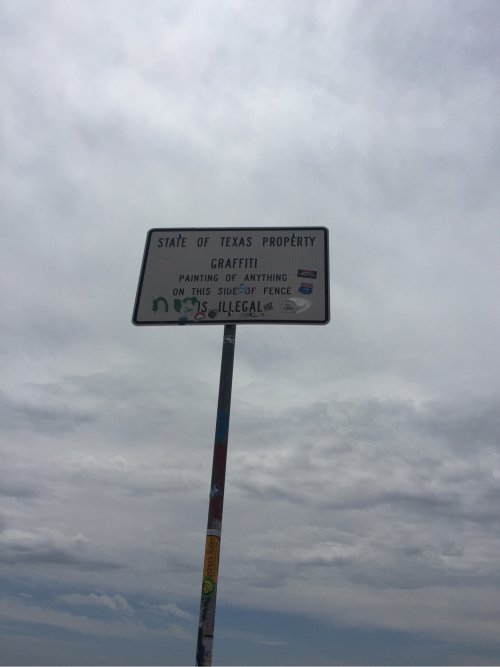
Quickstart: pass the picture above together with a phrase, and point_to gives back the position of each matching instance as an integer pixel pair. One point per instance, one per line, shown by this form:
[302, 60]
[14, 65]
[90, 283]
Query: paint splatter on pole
[216, 503]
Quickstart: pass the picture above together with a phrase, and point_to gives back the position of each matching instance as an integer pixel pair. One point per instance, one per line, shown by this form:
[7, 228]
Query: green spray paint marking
[156, 302]
[182, 305]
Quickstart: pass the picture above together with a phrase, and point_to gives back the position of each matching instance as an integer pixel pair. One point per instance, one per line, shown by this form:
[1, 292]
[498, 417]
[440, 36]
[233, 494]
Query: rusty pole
[216, 503]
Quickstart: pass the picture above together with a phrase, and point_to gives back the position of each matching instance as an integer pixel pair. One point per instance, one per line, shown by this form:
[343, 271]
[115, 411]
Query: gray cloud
[393, 452]
[26, 415]
[19, 485]
[172, 609]
[43, 547]
[15, 610]
[113, 602]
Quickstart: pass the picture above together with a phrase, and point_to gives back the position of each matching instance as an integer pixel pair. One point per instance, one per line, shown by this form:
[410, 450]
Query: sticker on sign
[221, 275]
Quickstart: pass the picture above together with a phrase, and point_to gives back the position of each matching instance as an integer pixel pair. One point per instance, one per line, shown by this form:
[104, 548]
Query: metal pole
[216, 503]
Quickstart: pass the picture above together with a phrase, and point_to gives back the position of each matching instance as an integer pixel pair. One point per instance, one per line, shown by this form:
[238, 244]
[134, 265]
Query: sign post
[216, 504]
[230, 276]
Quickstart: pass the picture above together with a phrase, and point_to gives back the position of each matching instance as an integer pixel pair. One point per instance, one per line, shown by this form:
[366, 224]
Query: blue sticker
[306, 288]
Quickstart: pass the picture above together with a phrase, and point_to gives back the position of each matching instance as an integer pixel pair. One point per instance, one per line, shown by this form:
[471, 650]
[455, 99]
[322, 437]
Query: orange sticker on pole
[211, 564]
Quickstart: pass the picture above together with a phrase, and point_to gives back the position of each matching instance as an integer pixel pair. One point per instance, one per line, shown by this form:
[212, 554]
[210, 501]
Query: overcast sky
[362, 519]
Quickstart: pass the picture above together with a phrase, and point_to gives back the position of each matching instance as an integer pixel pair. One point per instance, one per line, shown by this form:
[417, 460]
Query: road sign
[229, 275]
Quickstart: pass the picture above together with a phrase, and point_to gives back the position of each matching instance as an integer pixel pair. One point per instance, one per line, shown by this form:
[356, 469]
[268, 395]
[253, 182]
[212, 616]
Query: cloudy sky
[362, 517]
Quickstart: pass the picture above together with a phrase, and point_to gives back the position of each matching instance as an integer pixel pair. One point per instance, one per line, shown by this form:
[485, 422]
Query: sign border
[231, 320]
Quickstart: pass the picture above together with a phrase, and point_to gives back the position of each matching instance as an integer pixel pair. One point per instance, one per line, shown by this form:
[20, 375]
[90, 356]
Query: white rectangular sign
[273, 275]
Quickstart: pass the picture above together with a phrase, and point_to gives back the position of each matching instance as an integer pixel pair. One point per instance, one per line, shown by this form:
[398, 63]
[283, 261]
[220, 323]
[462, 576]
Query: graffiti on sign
[187, 305]
[296, 305]
[157, 301]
